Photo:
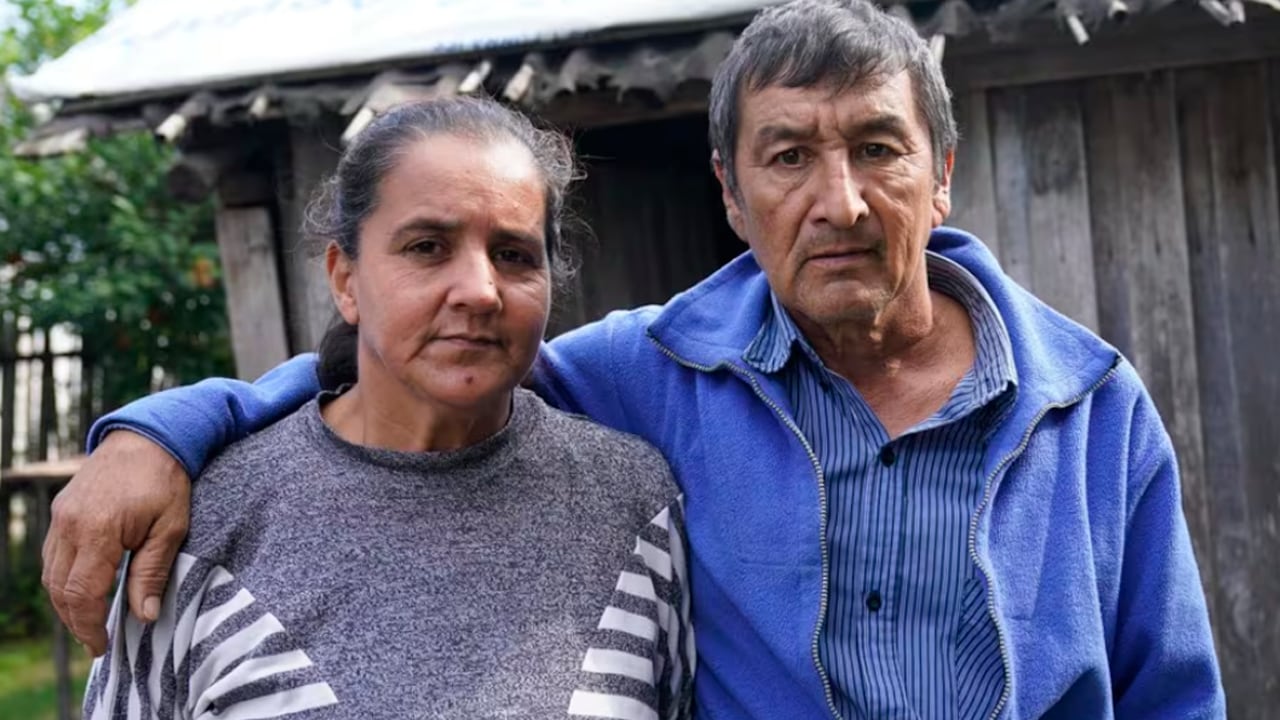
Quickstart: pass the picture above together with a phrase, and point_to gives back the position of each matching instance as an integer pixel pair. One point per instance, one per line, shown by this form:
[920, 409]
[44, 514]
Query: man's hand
[129, 495]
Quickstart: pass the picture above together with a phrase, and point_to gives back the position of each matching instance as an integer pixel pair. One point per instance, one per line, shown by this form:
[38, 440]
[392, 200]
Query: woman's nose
[474, 284]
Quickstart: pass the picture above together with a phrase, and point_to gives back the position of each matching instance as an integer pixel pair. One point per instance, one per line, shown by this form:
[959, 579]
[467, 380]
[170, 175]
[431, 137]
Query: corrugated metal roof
[158, 45]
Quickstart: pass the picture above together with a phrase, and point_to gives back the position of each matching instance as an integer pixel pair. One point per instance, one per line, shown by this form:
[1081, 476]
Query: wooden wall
[655, 214]
[1146, 206]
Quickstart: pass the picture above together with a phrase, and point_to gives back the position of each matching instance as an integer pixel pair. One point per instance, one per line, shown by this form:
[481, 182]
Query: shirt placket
[875, 487]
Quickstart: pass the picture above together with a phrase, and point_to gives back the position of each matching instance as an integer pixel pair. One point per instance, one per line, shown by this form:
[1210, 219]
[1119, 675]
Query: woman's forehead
[466, 176]
[496, 160]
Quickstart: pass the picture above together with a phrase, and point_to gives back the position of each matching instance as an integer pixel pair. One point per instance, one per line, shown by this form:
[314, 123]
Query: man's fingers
[149, 571]
[129, 494]
[56, 565]
[87, 587]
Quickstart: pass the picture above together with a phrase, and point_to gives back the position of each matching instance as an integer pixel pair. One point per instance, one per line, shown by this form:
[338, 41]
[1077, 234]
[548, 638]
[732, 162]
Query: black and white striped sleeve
[641, 660]
[215, 651]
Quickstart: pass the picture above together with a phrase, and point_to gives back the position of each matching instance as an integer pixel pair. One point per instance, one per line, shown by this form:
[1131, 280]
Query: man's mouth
[842, 255]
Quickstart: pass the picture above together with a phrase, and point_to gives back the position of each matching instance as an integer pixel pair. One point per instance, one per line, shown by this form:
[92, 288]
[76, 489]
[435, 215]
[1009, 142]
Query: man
[912, 489]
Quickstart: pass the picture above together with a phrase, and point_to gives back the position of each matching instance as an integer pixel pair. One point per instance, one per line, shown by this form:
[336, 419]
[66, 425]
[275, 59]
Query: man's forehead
[800, 107]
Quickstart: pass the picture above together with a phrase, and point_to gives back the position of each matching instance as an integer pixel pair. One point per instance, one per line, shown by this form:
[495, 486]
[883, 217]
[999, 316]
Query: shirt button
[873, 601]
[887, 456]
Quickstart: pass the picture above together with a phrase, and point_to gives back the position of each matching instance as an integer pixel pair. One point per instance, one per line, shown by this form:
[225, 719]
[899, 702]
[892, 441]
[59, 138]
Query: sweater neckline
[479, 460]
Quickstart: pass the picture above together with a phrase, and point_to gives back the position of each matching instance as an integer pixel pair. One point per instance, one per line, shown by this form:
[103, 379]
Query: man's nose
[840, 200]
[474, 283]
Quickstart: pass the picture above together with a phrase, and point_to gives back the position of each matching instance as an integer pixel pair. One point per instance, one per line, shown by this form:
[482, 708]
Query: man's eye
[791, 157]
[877, 151]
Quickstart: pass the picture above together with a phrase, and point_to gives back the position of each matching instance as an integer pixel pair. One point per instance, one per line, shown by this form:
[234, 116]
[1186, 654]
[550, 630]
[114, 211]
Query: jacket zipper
[986, 499]
[822, 505]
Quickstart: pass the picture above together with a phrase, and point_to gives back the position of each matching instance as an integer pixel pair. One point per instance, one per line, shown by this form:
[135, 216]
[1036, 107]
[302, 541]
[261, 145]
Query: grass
[28, 689]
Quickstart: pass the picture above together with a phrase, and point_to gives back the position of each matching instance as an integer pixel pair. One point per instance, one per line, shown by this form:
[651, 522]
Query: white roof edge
[159, 45]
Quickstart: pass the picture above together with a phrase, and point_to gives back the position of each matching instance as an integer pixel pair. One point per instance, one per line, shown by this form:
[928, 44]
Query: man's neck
[906, 360]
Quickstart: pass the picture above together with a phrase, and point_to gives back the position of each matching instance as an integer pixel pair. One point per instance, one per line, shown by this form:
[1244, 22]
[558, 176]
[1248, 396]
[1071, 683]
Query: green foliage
[92, 241]
[27, 679]
[24, 609]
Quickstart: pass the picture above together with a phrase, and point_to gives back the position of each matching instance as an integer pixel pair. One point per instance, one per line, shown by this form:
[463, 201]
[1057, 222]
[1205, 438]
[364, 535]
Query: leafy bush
[91, 240]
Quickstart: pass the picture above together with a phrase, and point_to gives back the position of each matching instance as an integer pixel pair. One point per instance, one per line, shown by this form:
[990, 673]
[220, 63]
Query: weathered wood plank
[1058, 203]
[1109, 217]
[6, 496]
[1143, 273]
[973, 197]
[252, 284]
[653, 236]
[1008, 110]
[1233, 228]
[1179, 36]
[8, 388]
[1042, 196]
[313, 153]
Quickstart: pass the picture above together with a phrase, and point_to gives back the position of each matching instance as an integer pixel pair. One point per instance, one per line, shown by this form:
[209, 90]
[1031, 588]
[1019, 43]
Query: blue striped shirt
[907, 632]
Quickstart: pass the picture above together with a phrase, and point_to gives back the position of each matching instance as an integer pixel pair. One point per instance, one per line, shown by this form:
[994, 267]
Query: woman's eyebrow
[419, 224]
[519, 236]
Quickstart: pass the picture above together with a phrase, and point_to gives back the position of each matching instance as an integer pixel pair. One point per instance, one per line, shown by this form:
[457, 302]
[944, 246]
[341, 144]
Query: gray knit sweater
[536, 574]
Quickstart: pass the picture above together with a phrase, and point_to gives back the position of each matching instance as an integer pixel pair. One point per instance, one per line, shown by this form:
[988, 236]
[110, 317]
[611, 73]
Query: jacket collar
[714, 322]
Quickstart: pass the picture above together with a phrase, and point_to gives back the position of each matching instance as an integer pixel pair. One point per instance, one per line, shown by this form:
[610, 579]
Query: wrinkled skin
[129, 495]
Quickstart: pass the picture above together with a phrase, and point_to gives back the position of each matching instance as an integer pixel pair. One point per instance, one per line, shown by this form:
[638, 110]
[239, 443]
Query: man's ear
[942, 191]
[342, 283]
[732, 212]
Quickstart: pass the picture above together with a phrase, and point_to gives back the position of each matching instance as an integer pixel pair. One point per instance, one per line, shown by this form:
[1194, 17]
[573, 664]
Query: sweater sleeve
[642, 659]
[195, 422]
[1163, 662]
[214, 652]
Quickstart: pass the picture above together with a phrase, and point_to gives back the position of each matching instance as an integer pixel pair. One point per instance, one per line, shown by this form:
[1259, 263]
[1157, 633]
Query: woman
[432, 541]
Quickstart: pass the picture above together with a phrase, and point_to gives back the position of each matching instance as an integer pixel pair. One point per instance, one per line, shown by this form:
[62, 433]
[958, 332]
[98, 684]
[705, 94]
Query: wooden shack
[1120, 157]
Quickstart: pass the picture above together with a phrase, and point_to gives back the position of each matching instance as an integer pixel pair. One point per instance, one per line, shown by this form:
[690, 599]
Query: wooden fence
[47, 401]
[46, 394]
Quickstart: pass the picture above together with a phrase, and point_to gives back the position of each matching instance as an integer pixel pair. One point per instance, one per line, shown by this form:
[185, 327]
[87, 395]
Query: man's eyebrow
[780, 132]
[886, 124]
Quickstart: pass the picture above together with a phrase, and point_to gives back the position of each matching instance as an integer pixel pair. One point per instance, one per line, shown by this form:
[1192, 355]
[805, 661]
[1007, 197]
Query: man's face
[836, 196]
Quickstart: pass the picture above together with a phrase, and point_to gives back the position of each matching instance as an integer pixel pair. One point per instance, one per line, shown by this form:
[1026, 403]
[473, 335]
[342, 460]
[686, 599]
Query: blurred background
[1120, 157]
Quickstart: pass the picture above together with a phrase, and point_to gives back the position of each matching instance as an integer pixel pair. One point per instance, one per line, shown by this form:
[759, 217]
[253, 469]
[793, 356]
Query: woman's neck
[395, 419]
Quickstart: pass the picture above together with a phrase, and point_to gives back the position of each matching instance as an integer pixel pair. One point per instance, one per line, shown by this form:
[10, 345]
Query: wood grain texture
[1233, 231]
[1008, 108]
[1043, 196]
[252, 282]
[313, 152]
[973, 187]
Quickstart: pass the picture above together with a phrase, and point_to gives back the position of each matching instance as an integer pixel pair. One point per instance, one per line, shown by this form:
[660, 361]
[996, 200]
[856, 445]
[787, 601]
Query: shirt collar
[993, 369]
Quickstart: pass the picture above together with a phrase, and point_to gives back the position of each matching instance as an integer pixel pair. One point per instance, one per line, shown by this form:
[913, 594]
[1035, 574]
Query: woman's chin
[471, 390]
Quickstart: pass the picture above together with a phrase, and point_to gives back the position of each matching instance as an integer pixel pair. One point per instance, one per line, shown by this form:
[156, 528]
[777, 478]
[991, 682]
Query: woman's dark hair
[346, 199]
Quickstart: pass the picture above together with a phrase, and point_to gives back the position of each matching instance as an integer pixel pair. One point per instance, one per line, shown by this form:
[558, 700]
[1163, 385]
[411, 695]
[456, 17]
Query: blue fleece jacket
[1080, 537]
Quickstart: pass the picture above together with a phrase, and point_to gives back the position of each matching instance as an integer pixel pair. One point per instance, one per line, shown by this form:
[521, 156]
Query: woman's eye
[790, 157]
[425, 247]
[518, 257]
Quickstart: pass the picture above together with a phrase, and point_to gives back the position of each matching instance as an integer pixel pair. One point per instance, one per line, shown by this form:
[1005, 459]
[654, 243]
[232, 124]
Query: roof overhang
[159, 46]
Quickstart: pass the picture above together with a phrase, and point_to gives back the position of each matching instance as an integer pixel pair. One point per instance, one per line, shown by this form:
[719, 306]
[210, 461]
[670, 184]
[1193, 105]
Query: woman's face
[451, 288]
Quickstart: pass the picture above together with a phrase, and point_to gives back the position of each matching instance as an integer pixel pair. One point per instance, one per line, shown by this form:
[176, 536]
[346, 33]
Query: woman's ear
[342, 283]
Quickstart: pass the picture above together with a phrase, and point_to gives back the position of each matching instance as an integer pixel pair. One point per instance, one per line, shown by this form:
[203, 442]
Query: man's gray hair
[832, 43]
